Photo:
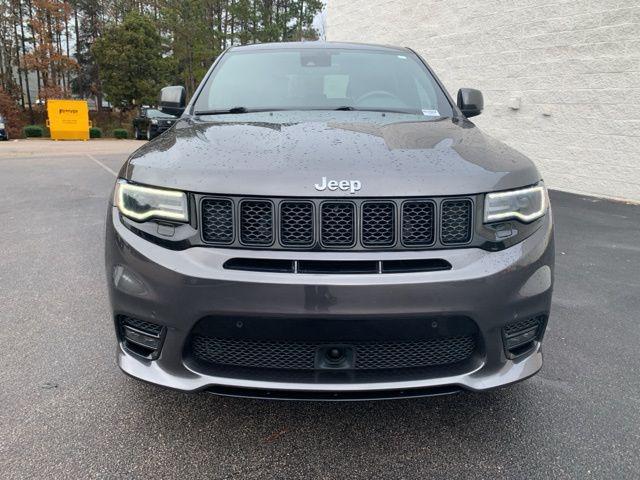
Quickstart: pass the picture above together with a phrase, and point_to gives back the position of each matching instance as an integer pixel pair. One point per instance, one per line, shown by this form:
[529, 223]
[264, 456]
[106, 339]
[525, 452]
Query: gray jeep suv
[324, 222]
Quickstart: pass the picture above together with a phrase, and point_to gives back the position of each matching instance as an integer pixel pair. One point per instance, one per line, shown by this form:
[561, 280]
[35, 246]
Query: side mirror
[173, 100]
[470, 102]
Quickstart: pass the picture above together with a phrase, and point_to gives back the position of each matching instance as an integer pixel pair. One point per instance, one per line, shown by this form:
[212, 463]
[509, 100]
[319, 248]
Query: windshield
[308, 79]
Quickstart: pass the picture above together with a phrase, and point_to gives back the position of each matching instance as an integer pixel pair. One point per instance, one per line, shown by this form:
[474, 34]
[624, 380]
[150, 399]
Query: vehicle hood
[287, 153]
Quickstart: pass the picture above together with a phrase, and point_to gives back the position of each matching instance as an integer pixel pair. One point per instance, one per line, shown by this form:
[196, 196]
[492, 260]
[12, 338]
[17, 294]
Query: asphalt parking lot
[66, 411]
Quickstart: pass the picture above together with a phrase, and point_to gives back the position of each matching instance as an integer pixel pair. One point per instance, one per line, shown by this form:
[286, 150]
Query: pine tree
[129, 56]
[55, 39]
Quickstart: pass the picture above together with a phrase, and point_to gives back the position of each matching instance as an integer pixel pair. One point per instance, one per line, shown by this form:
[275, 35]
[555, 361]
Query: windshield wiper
[346, 108]
[222, 112]
[349, 108]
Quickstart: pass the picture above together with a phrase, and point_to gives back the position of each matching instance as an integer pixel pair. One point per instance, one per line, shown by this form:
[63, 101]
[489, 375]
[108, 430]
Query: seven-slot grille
[337, 224]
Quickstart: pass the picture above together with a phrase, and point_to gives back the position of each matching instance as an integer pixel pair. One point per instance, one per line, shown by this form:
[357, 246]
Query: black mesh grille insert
[254, 353]
[523, 325]
[146, 327]
[256, 222]
[378, 225]
[436, 351]
[302, 355]
[296, 224]
[217, 220]
[337, 224]
[456, 222]
[418, 223]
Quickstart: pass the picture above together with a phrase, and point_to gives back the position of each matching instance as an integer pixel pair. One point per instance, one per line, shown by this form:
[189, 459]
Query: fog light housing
[141, 338]
[520, 338]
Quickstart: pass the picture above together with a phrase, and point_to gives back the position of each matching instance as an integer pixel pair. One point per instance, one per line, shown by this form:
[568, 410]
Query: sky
[319, 21]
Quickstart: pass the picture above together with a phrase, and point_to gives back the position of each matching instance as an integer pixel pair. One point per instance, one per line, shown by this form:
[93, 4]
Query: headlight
[154, 121]
[142, 203]
[526, 205]
[1, 126]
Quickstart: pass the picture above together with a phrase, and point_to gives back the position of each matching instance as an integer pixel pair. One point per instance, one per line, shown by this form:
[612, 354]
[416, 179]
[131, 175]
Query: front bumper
[177, 289]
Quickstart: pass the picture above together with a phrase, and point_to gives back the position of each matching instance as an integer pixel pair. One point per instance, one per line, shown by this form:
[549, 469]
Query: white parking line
[102, 165]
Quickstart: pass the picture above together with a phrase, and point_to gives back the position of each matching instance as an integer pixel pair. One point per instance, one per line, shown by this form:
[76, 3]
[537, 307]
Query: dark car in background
[325, 222]
[4, 129]
[151, 122]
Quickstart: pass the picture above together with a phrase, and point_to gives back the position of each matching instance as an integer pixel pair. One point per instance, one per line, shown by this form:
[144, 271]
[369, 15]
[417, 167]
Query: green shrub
[95, 132]
[120, 133]
[33, 131]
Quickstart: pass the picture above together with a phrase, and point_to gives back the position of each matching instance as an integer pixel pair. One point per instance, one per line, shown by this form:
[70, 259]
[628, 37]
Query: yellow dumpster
[68, 119]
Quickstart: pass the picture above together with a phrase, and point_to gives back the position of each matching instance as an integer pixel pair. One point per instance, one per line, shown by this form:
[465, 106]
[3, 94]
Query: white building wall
[573, 67]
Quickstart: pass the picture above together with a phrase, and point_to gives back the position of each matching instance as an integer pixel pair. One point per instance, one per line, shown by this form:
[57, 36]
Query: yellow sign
[68, 119]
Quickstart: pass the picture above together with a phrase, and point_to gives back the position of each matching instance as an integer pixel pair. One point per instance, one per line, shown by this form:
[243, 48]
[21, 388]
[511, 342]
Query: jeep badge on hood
[351, 186]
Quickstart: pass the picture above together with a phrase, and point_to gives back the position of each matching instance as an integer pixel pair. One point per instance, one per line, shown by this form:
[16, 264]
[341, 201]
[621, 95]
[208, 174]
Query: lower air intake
[303, 355]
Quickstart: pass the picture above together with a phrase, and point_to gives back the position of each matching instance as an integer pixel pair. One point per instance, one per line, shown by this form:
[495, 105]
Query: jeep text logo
[352, 186]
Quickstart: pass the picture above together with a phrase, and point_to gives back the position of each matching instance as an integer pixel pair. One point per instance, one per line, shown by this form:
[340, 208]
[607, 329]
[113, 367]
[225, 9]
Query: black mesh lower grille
[217, 220]
[456, 222]
[254, 353]
[256, 222]
[418, 223]
[378, 224]
[296, 224]
[302, 355]
[436, 351]
[337, 224]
